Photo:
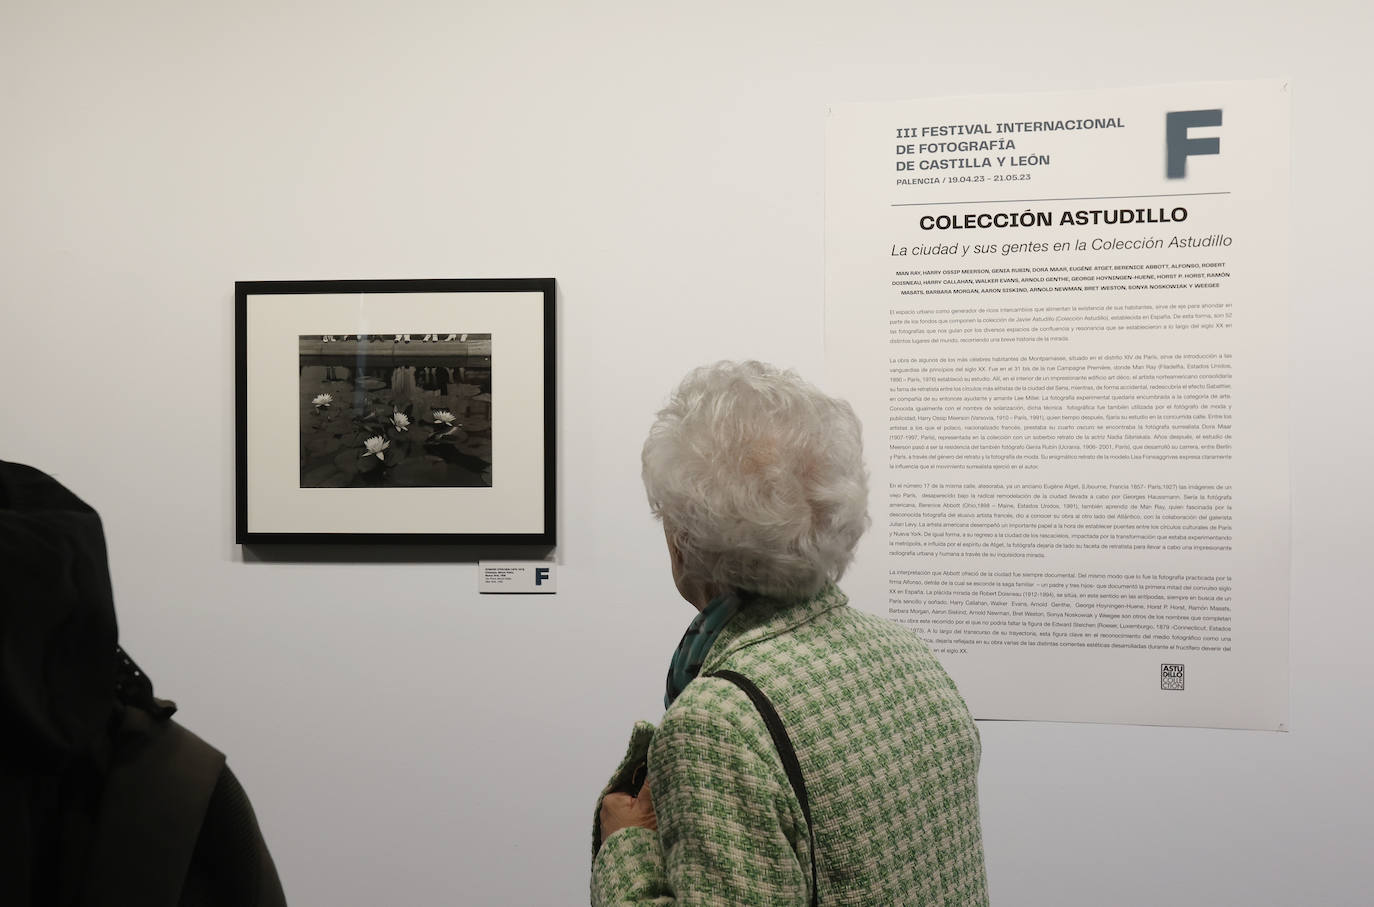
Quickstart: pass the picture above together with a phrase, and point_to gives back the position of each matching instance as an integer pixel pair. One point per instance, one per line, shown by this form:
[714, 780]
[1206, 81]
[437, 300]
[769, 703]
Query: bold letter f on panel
[1177, 144]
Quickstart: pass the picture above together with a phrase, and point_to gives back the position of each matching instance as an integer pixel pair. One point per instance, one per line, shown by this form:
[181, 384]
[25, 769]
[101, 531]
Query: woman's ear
[690, 591]
[674, 553]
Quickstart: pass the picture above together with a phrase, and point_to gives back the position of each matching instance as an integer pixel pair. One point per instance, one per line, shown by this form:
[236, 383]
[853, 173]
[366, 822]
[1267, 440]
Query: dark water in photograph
[380, 412]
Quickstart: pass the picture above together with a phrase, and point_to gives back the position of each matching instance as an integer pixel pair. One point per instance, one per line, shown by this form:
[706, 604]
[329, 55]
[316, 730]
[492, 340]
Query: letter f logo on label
[1177, 144]
[540, 574]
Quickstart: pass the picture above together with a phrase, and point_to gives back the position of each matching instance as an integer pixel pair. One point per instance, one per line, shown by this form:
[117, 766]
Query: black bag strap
[788, 754]
[151, 811]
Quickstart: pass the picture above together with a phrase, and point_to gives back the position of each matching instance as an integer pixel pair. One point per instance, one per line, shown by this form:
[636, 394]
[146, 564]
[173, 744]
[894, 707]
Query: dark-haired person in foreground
[104, 800]
[759, 481]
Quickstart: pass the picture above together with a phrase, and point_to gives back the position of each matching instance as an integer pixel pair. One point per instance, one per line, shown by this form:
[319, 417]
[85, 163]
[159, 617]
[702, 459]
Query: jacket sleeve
[730, 831]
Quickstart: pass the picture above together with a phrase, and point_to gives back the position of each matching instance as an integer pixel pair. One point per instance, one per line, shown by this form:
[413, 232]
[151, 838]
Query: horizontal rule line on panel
[1072, 198]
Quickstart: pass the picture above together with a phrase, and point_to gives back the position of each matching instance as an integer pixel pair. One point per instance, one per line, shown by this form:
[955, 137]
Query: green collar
[729, 624]
[765, 618]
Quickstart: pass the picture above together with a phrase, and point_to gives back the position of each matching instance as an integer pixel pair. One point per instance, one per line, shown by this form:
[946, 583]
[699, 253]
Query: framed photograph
[395, 411]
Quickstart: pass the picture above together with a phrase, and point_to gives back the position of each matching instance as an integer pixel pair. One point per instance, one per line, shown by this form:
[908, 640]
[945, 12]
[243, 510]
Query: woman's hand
[623, 811]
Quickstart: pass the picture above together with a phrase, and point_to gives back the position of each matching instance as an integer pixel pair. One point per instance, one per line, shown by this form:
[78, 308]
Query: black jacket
[103, 798]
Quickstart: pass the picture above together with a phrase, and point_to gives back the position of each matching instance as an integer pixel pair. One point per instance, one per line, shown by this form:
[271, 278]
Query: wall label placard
[517, 577]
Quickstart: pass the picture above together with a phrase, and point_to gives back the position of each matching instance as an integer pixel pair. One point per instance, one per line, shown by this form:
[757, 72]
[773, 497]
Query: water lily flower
[375, 445]
[400, 420]
[322, 400]
[443, 417]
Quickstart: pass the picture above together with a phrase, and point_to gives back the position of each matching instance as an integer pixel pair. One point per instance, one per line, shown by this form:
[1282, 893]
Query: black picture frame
[296, 498]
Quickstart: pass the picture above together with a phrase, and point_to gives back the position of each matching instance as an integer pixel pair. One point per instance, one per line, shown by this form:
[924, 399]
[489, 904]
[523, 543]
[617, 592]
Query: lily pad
[474, 423]
[448, 436]
[321, 446]
[477, 447]
[419, 471]
[466, 463]
[346, 462]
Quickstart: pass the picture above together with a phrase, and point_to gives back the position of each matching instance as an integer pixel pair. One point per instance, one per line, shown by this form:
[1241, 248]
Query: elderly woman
[759, 481]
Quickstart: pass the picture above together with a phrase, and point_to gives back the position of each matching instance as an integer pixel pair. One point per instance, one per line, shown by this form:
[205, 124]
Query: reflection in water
[394, 420]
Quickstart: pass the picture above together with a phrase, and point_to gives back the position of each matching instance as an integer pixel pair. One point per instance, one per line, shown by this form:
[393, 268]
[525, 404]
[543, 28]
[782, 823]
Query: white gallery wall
[406, 741]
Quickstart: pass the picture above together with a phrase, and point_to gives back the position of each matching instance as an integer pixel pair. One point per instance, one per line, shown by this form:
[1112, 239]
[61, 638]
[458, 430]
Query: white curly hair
[759, 480]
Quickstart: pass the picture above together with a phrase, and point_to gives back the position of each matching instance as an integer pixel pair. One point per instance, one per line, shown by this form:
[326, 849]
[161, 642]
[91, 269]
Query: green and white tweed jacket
[887, 748]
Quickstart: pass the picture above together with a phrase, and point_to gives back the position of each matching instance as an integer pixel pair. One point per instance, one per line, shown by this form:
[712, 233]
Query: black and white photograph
[406, 410]
[414, 411]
